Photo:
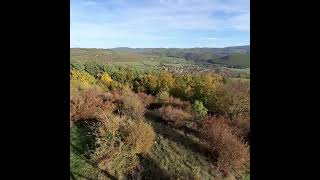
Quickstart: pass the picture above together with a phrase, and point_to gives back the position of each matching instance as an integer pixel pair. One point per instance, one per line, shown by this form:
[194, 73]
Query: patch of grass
[177, 154]
[80, 165]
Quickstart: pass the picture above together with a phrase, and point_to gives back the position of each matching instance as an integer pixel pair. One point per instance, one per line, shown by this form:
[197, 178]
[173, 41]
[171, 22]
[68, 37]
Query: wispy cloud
[151, 20]
[212, 38]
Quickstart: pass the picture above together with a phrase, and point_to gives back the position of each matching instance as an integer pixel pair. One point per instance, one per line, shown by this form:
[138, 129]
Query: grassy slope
[177, 154]
[174, 154]
[242, 59]
[104, 55]
[236, 59]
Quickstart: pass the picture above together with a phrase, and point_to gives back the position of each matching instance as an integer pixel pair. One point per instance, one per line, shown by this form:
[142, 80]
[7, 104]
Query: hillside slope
[104, 55]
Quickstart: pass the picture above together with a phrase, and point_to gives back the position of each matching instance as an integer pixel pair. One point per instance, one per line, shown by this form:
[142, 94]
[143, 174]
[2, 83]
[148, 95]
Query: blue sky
[159, 23]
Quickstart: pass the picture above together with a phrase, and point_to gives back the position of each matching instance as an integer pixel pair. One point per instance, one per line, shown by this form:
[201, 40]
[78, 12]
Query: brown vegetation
[230, 152]
[88, 104]
[146, 99]
[174, 116]
[234, 102]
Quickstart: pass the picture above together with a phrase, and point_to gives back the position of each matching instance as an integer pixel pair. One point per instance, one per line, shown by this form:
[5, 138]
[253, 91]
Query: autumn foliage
[231, 154]
[174, 116]
[118, 100]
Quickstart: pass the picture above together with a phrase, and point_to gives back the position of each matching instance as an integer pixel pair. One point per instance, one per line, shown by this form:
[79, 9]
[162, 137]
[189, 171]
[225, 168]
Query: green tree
[199, 108]
[94, 68]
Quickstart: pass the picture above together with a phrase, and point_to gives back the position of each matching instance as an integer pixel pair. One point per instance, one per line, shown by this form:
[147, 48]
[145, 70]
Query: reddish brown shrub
[88, 104]
[231, 154]
[145, 98]
[233, 99]
[128, 103]
[177, 103]
[174, 115]
[242, 127]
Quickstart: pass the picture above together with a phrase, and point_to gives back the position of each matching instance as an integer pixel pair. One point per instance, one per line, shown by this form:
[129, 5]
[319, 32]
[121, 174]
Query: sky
[159, 23]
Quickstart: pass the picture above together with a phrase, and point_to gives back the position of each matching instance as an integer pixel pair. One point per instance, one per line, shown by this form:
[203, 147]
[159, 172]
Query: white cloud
[156, 19]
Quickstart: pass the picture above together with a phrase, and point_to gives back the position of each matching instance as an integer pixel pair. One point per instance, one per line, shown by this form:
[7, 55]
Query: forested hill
[233, 56]
[237, 57]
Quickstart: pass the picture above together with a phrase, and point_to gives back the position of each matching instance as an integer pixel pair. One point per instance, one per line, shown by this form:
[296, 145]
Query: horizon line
[155, 47]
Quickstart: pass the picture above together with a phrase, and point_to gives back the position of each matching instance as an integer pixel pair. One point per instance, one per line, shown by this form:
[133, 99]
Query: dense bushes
[141, 136]
[177, 103]
[174, 116]
[119, 141]
[234, 102]
[94, 68]
[145, 98]
[234, 99]
[130, 104]
[200, 86]
[105, 96]
[88, 104]
[82, 76]
[230, 152]
[204, 89]
[199, 108]
[105, 78]
[75, 65]
[162, 96]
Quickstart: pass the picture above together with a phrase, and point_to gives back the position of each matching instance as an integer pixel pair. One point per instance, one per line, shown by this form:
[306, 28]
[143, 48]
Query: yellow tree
[166, 81]
[105, 78]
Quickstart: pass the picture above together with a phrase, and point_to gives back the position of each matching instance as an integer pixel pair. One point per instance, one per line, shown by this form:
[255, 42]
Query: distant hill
[104, 55]
[238, 56]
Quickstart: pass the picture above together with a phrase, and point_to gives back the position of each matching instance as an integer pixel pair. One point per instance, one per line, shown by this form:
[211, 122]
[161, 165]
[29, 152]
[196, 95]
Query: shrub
[233, 99]
[150, 84]
[230, 153]
[88, 104]
[109, 154]
[119, 141]
[105, 78]
[75, 65]
[94, 68]
[166, 81]
[199, 108]
[242, 127]
[123, 163]
[173, 115]
[162, 96]
[77, 86]
[141, 136]
[130, 104]
[204, 89]
[145, 98]
[234, 102]
[82, 76]
[108, 138]
[177, 103]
